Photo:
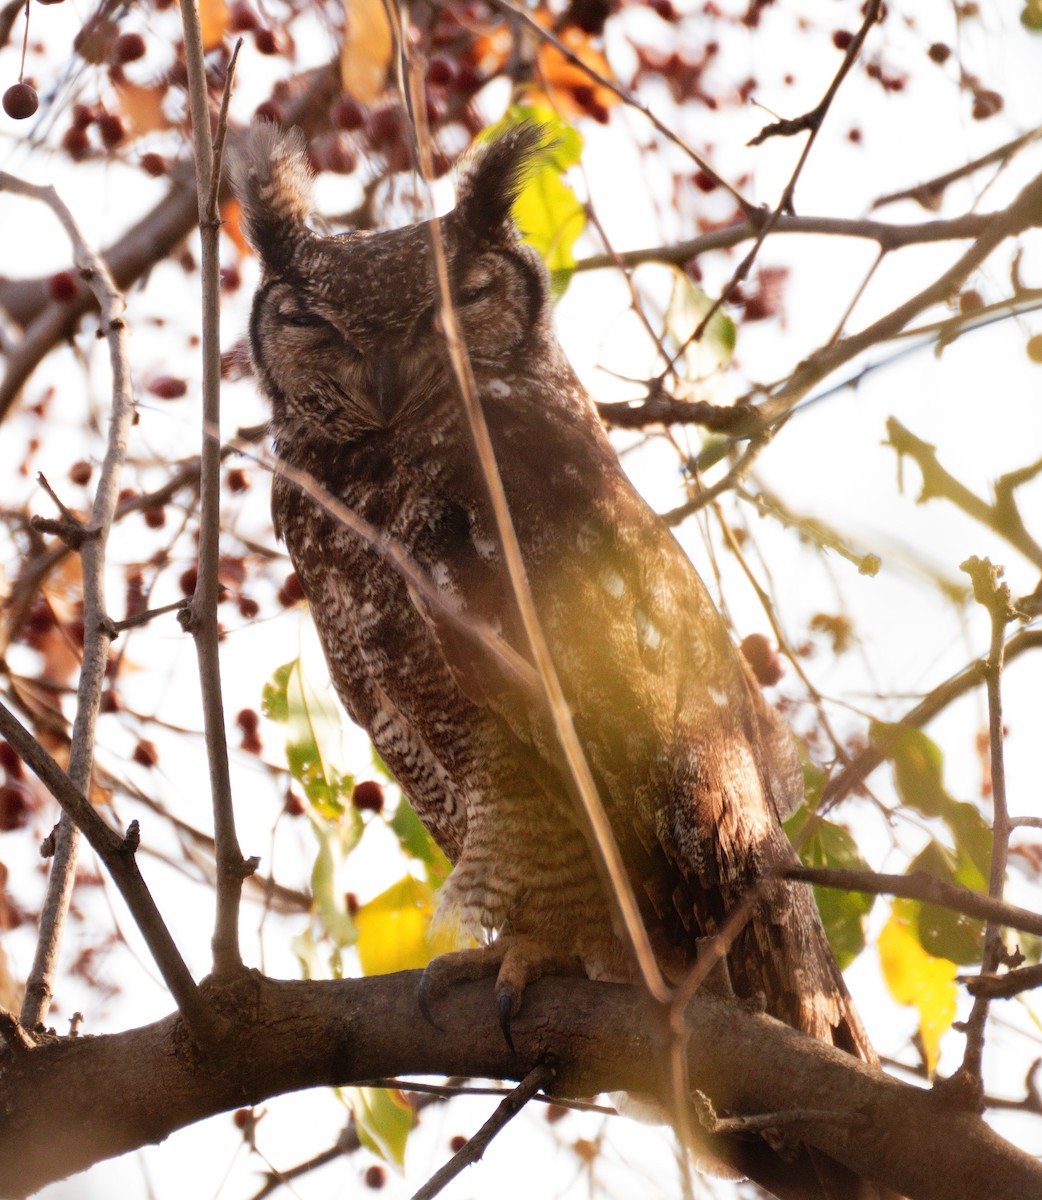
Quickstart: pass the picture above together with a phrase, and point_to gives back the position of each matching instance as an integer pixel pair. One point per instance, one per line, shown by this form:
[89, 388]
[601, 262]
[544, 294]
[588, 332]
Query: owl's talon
[508, 1005]
[424, 992]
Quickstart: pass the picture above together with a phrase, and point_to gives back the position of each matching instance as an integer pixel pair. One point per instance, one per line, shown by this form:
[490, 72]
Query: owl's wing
[695, 769]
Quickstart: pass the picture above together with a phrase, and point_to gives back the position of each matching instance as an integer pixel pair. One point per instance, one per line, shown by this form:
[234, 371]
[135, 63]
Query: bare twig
[938, 699]
[201, 615]
[996, 598]
[549, 38]
[810, 122]
[920, 886]
[96, 623]
[1003, 516]
[1001, 987]
[578, 768]
[473, 1149]
[116, 851]
[929, 192]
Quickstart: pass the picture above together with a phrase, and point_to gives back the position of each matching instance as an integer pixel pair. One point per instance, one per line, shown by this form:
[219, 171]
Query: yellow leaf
[394, 929]
[367, 49]
[917, 978]
[383, 1120]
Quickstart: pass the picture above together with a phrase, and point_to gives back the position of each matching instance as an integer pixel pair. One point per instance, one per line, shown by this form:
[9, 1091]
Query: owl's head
[345, 332]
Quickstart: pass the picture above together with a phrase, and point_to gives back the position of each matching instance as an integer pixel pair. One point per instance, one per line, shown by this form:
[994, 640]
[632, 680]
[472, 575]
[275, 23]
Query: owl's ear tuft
[493, 179]
[272, 180]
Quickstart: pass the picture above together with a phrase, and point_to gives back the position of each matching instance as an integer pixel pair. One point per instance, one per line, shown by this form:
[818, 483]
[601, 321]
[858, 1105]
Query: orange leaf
[366, 53]
[143, 107]
[573, 89]
[231, 215]
[214, 17]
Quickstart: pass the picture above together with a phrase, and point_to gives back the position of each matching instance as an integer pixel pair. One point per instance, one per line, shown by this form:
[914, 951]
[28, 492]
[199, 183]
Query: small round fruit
[368, 796]
[763, 659]
[62, 286]
[128, 47]
[20, 101]
[80, 472]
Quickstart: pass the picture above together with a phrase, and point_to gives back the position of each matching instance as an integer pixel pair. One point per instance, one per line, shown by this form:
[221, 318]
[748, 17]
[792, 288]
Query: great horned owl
[694, 768]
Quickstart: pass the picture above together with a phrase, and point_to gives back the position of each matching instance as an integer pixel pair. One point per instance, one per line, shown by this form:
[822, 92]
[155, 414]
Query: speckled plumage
[694, 768]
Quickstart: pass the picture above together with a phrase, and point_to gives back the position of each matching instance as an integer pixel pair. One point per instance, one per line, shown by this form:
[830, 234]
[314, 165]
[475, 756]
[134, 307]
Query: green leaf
[842, 913]
[418, 844]
[383, 1120]
[941, 932]
[547, 211]
[918, 767]
[688, 307]
[312, 738]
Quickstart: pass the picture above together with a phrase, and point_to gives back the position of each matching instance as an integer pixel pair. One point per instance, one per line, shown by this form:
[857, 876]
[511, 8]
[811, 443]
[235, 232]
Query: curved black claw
[424, 991]
[506, 1015]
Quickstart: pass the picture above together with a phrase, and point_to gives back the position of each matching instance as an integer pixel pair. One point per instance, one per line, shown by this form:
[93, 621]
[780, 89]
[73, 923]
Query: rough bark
[71, 1102]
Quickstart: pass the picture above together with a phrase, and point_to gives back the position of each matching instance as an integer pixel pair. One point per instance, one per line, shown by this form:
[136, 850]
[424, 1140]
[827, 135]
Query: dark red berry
[375, 1176]
[189, 580]
[704, 181]
[80, 472]
[155, 518]
[83, 115]
[251, 743]
[248, 607]
[939, 53]
[248, 720]
[385, 126]
[291, 592]
[457, 1142]
[167, 387]
[111, 129]
[368, 796]
[267, 41]
[20, 101]
[237, 480]
[110, 701]
[842, 39]
[348, 114]
[242, 18]
[153, 164]
[146, 753]
[75, 143]
[128, 47]
[10, 761]
[15, 803]
[763, 658]
[294, 806]
[441, 72]
[62, 286]
[231, 279]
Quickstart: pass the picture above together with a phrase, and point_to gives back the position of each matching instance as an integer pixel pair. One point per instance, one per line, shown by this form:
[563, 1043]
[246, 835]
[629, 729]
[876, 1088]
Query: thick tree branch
[73, 1102]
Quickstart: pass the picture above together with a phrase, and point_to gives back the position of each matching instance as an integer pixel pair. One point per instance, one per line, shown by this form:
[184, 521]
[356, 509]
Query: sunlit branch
[920, 886]
[996, 598]
[201, 615]
[96, 623]
[117, 852]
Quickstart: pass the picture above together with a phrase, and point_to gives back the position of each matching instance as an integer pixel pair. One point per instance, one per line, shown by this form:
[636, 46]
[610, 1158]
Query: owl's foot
[515, 960]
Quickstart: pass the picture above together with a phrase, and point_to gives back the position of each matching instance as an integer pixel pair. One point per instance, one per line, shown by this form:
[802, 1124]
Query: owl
[694, 768]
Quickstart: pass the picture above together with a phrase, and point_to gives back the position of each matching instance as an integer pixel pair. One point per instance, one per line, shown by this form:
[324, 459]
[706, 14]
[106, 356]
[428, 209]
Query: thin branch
[1003, 516]
[970, 677]
[996, 598]
[1019, 216]
[1000, 987]
[929, 192]
[476, 1146]
[201, 615]
[116, 851]
[550, 39]
[887, 236]
[96, 623]
[621, 888]
[920, 886]
[812, 122]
